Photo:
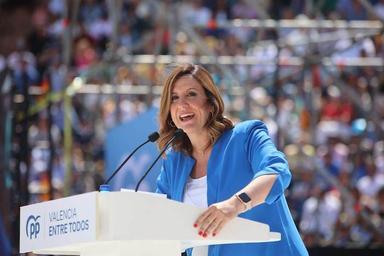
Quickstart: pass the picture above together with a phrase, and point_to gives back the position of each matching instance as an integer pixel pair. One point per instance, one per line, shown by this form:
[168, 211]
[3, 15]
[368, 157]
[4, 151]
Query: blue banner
[121, 141]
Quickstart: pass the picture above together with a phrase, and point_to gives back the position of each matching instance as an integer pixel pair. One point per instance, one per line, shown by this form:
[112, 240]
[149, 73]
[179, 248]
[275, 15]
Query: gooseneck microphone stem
[177, 134]
[151, 138]
[123, 163]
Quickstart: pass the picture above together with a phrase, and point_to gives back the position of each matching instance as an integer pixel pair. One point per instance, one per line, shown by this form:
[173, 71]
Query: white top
[195, 193]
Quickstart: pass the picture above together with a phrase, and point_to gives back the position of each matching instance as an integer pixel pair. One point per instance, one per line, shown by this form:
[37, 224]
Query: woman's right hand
[217, 215]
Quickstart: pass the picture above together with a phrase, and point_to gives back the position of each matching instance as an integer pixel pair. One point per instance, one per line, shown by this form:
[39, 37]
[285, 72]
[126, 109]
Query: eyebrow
[189, 89]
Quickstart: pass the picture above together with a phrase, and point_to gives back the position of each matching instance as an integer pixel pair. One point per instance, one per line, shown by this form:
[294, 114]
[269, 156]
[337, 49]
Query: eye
[192, 94]
[174, 98]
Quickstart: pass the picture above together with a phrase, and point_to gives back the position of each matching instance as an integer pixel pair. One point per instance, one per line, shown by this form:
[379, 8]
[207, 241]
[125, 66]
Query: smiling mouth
[186, 117]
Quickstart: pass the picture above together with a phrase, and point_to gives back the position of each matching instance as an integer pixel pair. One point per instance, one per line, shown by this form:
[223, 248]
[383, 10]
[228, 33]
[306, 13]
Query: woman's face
[189, 105]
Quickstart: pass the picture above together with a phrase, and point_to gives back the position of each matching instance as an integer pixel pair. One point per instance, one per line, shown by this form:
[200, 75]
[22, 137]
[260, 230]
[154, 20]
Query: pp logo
[32, 227]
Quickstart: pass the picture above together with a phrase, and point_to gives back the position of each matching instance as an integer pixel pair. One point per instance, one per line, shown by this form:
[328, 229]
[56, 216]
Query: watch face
[244, 197]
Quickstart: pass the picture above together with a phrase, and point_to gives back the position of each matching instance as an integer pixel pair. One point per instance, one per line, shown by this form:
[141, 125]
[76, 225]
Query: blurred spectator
[56, 7]
[84, 53]
[379, 9]
[23, 65]
[101, 29]
[126, 38]
[370, 184]
[335, 114]
[195, 13]
[301, 191]
[39, 40]
[351, 10]
[241, 10]
[329, 164]
[378, 215]
[90, 12]
[320, 213]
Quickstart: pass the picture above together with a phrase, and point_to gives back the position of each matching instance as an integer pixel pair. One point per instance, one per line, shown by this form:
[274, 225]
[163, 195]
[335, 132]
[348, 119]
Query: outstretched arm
[217, 215]
[271, 178]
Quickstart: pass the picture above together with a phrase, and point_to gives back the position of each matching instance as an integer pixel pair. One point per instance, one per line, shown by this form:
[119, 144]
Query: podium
[124, 223]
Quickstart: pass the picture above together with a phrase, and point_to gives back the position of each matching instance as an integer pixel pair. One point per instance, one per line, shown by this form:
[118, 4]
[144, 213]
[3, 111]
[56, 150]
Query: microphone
[178, 133]
[151, 138]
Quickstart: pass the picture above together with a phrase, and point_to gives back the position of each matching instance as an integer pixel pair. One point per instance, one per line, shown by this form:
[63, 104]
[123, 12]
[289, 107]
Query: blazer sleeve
[266, 159]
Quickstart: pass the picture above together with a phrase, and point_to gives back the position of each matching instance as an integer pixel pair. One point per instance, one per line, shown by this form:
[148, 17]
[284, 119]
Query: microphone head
[153, 136]
[179, 133]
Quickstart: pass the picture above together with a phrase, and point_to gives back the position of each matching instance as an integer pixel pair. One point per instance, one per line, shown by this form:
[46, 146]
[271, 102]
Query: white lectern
[124, 223]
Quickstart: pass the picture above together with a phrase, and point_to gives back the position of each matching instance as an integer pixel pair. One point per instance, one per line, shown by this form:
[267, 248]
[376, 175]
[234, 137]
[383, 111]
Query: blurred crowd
[329, 120]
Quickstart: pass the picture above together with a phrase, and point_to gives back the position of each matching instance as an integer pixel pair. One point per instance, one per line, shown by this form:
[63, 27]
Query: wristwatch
[245, 200]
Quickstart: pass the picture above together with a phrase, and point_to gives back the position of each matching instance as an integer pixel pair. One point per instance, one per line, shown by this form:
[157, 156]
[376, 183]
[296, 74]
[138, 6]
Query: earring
[171, 123]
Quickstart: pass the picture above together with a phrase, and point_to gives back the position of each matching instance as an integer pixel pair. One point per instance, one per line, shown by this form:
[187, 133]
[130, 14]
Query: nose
[183, 101]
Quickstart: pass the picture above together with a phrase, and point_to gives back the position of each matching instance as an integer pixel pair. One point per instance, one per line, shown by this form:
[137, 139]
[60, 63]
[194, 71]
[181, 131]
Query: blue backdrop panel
[121, 141]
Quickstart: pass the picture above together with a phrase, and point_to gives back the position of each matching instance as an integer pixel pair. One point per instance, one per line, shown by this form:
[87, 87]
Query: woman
[235, 170]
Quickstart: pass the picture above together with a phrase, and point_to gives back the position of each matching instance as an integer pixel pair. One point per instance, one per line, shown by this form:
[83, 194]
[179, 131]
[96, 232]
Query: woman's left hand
[217, 215]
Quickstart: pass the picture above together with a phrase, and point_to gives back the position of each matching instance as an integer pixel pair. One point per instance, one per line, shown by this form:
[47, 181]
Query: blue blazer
[238, 156]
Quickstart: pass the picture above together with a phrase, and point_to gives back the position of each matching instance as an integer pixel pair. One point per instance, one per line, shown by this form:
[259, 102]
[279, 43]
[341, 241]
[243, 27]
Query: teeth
[186, 115]
[182, 117]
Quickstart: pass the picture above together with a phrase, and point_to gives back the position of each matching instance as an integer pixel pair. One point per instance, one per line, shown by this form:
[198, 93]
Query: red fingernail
[200, 233]
[214, 234]
[195, 225]
[205, 235]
